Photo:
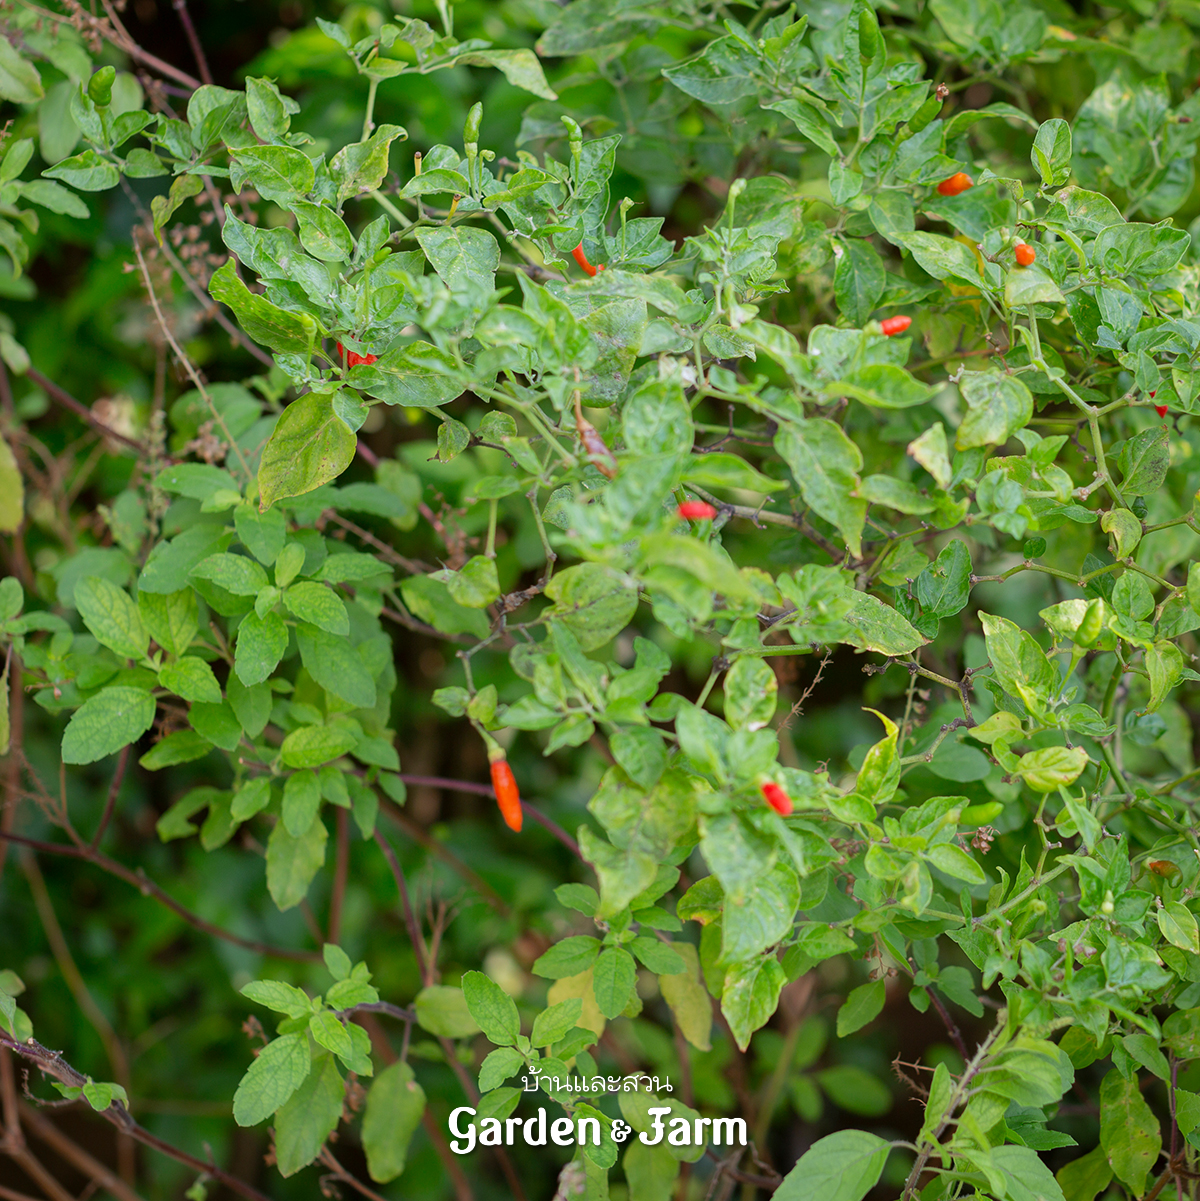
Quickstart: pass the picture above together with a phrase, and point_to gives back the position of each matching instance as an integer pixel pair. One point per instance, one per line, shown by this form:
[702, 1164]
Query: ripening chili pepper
[1161, 410]
[891, 326]
[696, 510]
[1025, 254]
[582, 260]
[1162, 867]
[777, 799]
[960, 181]
[598, 453]
[507, 795]
[352, 359]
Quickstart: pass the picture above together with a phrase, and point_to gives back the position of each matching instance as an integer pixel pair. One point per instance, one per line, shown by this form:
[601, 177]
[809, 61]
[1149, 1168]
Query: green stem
[490, 550]
[368, 116]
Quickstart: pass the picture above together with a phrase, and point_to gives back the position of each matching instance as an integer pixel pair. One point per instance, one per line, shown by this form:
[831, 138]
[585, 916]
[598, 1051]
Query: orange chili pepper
[508, 797]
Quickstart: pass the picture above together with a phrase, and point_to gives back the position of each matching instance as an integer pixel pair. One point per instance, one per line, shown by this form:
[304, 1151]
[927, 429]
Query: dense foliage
[767, 427]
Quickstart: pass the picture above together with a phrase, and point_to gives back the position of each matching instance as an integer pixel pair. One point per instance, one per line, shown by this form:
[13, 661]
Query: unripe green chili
[100, 86]
[1090, 627]
[575, 141]
[924, 114]
[869, 39]
[471, 140]
[471, 126]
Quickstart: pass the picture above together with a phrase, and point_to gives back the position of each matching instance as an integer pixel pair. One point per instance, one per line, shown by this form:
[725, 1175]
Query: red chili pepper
[1161, 410]
[1025, 254]
[777, 799]
[507, 795]
[352, 359]
[696, 510]
[582, 260]
[894, 325]
[960, 181]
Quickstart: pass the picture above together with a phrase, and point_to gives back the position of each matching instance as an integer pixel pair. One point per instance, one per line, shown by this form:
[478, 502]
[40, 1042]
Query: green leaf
[855, 1090]
[688, 999]
[840, 1167]
[751, 996]
[825, 464]
[809, 122]
[1085, 1178]
[163, 208]
[308, 1117]
[593, 601]
[997, 406]
[419, 376]
[361, 166]
[279, 1069]
[301, 803]
[235, 573]
[1129, 1131]
[443, 1011]
[520, 67]
[293, 862]
[492, 1008]
[1051, 152]
[556, 1022]
[858, 279]
[310, 446]
[280, 329]
[108, 612]
[1178, 926]
[102, 725]
[282, 998]
[87, 171]
[183, 746]
[476, 584]
[954, 861]
[751, 691]
[395, 1104]
[250, 705]
[261, 642]
[12, 487]
[464, 257]
[1047, 769]
[1031, 285]
[862, 1006]
[567, 957]
[192, 679]
[720, 470]
[19, 79]
[336, 666]
[878, 627]
[942, 257]
[322, 232]
[881, 386]
[262, 534]
[613, 977]
[310, 746]
[216, 723]
[658, 956]
[944, 587]
[879, 775]
[170, 618]
[317, 605]
[1144, 460]
[1028, 1179]
[276, 173]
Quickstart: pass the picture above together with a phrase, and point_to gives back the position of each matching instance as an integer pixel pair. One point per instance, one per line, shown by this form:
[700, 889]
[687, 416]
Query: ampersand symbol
[621, 1131]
